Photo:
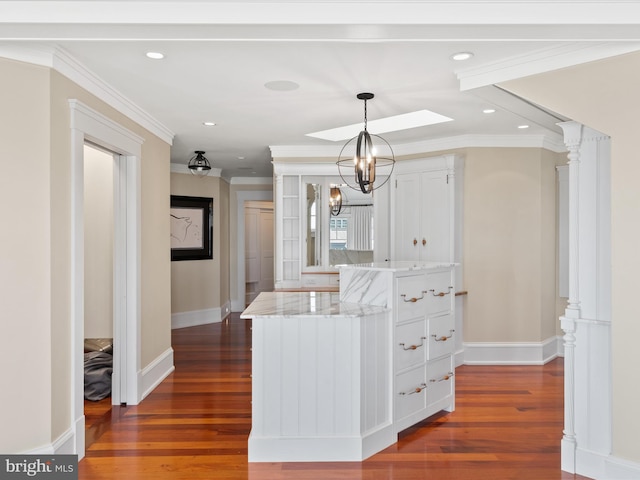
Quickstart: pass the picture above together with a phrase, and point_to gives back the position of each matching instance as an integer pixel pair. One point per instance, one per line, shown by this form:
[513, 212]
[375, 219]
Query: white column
[586, 442]
[572, 139]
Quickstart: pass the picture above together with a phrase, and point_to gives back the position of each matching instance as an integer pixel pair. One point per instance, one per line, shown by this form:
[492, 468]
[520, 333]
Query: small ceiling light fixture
[489, 110]
[335, 201]
[366, 161]
[209, 124]
[461, 56]
[155, 55]
[199, 165]
[522, 127]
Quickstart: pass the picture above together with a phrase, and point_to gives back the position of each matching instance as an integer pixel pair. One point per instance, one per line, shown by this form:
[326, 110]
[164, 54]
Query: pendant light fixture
[335, 201]
[373, 157]
[199, 165]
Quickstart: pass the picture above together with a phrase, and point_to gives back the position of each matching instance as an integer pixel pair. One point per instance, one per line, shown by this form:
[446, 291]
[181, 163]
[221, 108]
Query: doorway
[259, 249]
[99, 201]
[90, 126]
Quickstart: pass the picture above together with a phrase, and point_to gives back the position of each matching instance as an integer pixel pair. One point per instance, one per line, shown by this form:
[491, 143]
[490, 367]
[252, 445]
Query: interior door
[407, 217]
[435, 237]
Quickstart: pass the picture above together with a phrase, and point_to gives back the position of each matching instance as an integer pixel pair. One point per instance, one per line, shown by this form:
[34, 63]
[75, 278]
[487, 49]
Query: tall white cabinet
[426, 221]
[426, 203]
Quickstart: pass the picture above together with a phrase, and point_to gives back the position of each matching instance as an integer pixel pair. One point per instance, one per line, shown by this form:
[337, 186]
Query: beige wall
[197, 284]
[25, 258]
[605, 96]
[509, 245]
[98, 243]
[35, 270]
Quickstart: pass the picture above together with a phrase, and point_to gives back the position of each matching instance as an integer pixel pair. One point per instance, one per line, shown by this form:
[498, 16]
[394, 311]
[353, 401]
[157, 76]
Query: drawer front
[411, 392]
[410, 345]
[411, 297]
[440, 292]
[441, 336]
[441, 375]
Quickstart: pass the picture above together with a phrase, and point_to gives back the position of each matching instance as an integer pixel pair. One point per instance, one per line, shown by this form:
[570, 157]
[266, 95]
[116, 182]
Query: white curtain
[359, 228]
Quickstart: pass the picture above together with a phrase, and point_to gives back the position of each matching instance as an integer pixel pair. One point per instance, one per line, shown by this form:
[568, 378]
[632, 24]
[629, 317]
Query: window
[338, 233]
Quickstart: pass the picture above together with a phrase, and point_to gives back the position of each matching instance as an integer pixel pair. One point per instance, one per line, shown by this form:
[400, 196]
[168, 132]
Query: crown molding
[59, 60]
[543, 60]
[251, 181]
[551, 142]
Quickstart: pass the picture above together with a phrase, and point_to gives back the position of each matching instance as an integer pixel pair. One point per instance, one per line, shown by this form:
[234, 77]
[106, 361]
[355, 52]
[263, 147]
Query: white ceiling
[220, 55]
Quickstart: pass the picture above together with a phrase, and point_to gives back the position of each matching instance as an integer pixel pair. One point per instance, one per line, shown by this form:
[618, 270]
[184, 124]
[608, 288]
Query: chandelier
[199, 165]
[335, 201]
[373, 157]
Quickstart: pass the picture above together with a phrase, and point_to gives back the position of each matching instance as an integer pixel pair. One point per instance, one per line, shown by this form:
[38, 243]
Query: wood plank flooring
[507, 425]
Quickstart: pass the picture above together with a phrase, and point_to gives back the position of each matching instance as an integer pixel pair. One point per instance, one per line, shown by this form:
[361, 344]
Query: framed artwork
[191, 228]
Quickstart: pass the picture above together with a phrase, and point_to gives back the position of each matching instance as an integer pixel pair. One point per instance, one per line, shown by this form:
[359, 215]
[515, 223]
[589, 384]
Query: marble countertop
[399, 265]
[323, 304]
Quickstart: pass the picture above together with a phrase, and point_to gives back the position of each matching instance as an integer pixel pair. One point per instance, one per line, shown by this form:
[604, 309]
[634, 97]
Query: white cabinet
[423, 345]
[426, 219]
[425, 209]
[421, 298]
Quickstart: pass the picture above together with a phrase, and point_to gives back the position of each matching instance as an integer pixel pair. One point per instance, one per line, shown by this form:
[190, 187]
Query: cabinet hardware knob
[443, 338]
[415, 241]
[424, 241]
[413, 299]
[413, 347]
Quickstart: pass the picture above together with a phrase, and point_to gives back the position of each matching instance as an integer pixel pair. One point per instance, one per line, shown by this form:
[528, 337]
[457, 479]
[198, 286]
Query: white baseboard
[604, 467]
[237, 305]
[154, 373]
[619, 469]
[63, 445]
[197, 317]
[532, 353]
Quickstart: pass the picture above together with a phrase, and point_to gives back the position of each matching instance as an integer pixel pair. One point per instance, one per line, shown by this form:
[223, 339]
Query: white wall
[98, 243]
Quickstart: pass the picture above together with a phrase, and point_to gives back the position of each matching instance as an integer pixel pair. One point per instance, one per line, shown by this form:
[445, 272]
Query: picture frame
[191, 228]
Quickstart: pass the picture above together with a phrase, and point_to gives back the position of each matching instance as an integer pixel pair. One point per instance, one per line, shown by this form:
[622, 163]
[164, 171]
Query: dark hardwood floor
[507, 425]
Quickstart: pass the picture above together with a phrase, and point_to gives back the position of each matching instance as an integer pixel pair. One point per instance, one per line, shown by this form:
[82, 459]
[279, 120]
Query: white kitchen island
[337, 380]
[321, 378]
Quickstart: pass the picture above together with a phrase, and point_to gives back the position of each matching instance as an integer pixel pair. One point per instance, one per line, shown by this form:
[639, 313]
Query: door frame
[88, 125]
[243, 196]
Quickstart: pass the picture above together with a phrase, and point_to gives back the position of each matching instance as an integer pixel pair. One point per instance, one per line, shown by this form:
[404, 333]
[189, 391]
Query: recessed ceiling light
[240, 158]
[209, 124]
[460, 56]
[522, 127]
[155, 55]
[281, 85]
[489, 110]
[421, 118]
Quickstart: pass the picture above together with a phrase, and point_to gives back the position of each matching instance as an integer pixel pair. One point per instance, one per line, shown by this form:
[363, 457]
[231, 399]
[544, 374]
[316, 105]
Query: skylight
[395, 123]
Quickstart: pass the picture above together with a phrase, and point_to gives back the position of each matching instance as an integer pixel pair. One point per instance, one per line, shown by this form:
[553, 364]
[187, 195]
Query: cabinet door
[407, 217]
[435, 234]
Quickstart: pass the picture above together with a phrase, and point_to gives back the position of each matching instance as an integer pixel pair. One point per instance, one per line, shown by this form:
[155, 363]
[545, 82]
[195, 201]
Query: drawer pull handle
[415, 390]
[413, 347]
[443, 338]
[412, 299]
[444, 378]
[441, 294]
